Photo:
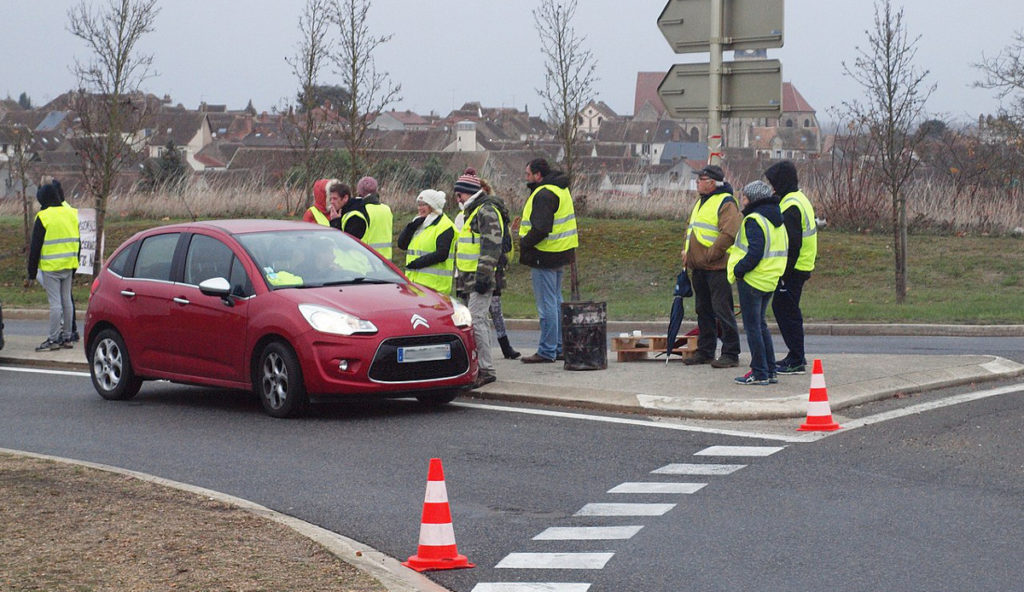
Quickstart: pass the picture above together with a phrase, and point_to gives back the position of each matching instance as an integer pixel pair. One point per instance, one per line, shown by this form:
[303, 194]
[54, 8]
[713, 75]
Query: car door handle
[128, 293]
[181, 300]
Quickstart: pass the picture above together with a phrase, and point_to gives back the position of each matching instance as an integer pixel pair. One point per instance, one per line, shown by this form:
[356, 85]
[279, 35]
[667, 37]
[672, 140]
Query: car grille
[386, 368]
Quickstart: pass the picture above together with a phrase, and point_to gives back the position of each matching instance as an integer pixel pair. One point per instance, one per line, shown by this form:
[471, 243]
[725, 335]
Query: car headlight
[461, 316]
[329, 320]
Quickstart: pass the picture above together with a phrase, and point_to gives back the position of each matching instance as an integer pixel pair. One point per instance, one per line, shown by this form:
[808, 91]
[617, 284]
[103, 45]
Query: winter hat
[757, 191]
[433, 198]
[468, 183]
[47, 195]
[712, 171]
[366, 186]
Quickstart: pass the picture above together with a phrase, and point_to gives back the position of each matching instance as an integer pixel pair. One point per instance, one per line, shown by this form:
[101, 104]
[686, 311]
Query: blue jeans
[547, 293]
[754, 306]
[786, 306]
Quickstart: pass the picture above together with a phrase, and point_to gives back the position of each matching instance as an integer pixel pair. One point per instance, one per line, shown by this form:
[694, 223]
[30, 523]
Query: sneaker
[787, 368]
[748, 378]
[48, 346]
[773, 378]
[74, 337]
[697, 359]
[67, 344]
[535, 359]
[726, 362]
[483, 379]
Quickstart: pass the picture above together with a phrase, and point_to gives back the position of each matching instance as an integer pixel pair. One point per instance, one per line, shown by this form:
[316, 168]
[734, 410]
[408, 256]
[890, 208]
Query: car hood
[374, 302]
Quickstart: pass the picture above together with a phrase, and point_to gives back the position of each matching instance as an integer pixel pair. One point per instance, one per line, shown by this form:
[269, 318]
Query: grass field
[632, 264]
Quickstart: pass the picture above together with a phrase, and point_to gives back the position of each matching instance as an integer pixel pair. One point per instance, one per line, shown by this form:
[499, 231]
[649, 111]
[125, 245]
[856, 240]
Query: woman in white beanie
[428, 240]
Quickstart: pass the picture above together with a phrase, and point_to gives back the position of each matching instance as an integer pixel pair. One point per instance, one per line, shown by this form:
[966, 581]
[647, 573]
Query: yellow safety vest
[808, 229]
[60, 245]
[439, 275]
[563, 235]
[319, 216]
[467, 253]
[379, 228]
[704, 220]
[765, 276]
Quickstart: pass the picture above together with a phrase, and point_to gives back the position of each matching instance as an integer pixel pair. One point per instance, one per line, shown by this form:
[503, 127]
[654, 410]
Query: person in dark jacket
[756, 262]
[347, 213]
[52, 260]
[548, 241]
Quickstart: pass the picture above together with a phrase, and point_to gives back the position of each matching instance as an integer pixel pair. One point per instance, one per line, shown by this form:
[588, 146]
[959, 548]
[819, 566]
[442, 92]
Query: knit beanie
[468, 183]
[433, 198]
[366, 186]
[757, 191]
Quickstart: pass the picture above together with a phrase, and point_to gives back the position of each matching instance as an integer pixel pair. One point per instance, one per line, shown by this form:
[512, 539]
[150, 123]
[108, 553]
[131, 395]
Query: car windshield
[314, 258]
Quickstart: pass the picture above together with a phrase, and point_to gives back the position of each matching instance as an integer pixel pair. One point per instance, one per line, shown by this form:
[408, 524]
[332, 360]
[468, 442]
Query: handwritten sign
[87, 236]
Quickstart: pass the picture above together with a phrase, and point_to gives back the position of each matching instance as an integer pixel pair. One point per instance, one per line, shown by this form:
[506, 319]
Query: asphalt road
[929, 501]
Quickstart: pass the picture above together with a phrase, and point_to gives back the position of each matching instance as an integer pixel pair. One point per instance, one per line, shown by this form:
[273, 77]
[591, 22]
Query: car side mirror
[219, 287]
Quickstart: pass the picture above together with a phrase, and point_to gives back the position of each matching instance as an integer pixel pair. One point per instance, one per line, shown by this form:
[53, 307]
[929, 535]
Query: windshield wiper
[357, 280]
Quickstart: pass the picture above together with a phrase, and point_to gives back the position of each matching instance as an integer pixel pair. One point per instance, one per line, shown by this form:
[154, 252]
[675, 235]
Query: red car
[291, 310]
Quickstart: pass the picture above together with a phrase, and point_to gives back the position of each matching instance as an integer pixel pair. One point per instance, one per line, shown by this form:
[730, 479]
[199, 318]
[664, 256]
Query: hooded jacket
[48, 196]
[542, 220]
[783, 179]
[319, 200]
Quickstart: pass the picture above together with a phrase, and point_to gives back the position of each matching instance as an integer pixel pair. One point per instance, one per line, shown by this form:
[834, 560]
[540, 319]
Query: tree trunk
[900, 246]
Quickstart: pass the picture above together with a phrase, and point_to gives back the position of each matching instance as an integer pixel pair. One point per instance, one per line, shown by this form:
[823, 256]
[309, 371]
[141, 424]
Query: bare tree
[109, 103]
[569, 78]
[570, 73]
[312, 53]
[896, 93]
[1004, 73]
[370, 91]
[20, 170]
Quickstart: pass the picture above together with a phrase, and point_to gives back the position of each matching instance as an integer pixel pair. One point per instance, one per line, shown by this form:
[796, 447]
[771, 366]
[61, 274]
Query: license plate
[424, 353]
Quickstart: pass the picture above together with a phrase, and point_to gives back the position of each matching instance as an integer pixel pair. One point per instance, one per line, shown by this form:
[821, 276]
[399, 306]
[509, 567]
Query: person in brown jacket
[714, 222]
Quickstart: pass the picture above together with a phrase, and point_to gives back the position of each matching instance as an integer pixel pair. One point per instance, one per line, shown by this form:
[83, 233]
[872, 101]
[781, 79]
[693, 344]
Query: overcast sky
[447, 52]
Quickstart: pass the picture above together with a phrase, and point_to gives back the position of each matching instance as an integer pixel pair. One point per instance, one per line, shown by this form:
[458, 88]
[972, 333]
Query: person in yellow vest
[756, 262]
[477, 250]
[547, 239]
[347, 213]
[380, 219]
[74, 319]
[318, 212]
[714, 222]
[802, 230]
[497, 314]
[53, 259]
[428, 240]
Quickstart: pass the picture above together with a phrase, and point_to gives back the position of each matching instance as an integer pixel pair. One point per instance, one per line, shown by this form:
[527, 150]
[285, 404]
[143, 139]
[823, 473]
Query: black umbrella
[682, 290]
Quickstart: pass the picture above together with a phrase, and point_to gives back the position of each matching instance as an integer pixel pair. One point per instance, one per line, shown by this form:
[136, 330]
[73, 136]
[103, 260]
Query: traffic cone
[819, 414]
[437, 548]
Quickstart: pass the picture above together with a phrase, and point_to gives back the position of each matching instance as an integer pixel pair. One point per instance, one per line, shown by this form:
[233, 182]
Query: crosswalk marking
[624, 509]
[739, 451]
[634, 487]
[587, 533]
[697, 469]
[529, 587]
[555, 560]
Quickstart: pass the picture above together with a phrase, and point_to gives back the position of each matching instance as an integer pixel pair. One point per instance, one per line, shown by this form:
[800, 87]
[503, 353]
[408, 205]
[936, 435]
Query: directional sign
[750, 88]
[746, 24]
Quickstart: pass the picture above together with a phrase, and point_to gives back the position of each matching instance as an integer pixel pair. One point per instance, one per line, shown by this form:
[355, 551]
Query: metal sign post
[715, 86]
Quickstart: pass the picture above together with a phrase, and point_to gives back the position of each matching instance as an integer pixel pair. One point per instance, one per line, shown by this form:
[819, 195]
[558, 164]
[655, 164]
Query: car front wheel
[111, 368]
[279, 381]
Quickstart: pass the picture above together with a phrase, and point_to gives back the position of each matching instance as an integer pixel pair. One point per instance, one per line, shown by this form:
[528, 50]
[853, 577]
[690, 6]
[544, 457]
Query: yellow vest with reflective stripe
[379, 228]
[563, 235]
[319, 216]
[808, 229]
[439, 275]
[704, 220]
[60, 245]
[765, 276]
[467, 250]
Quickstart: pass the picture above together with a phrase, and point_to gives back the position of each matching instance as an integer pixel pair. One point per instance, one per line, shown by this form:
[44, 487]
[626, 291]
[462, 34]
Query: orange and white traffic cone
[819, 414]
[437, 548]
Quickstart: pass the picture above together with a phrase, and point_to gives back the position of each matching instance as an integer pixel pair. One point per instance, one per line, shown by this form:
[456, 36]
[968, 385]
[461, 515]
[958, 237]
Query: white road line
[930, 406]
[638, 422]
[554, 560]
[587, 533]
[656, 487]
[739, 451]
[697, 469]
[624, 509]
[529, 587]
[44, 371]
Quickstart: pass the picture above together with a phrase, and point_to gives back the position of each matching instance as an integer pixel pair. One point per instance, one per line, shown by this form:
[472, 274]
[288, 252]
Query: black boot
[506, 349]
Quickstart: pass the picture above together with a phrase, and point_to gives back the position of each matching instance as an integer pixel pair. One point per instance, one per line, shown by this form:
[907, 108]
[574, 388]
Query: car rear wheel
[279, 381]
[111, 368]
[438, 398]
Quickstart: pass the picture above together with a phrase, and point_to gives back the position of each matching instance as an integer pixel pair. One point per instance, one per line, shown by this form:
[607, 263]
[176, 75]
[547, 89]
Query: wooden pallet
[628, 349]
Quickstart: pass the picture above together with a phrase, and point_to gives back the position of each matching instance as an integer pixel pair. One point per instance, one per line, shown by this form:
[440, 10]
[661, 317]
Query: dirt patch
[72, 528]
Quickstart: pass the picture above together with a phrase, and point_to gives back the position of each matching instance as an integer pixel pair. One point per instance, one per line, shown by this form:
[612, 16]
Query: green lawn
[632, 264]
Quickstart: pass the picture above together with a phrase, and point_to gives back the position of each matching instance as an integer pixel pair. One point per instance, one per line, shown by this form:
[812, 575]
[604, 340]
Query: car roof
[244, 226]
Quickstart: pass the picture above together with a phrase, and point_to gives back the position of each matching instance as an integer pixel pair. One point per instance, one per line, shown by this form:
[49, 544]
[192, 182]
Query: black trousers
[786, 308]
[715, 317]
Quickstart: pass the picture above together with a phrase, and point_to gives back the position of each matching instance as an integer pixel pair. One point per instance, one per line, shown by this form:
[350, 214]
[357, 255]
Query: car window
[119, 264]
[241, 285]
[156, 253]
[207, 258]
